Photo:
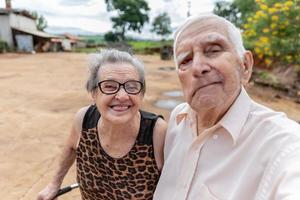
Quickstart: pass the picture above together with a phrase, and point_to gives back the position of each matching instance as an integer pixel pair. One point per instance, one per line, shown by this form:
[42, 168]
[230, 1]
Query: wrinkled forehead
[214, 29]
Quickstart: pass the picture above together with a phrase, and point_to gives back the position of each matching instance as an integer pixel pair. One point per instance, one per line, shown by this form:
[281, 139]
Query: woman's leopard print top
[100, 176]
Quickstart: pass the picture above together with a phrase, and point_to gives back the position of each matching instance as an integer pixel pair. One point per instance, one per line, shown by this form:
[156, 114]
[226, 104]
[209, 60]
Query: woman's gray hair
[233, 32]
[111, 56]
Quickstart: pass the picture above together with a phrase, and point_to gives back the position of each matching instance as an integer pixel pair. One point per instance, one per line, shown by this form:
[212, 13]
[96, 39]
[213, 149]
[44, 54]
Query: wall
[21, 22]
[5, 30]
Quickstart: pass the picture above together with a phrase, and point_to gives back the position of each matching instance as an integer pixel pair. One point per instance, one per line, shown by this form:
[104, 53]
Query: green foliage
[266, 76]
[162, 25]
[273, 31]
[131, 15]
[270, 28]
[236, 11]
[227, 10]
[3, 46]
[111, 37]
[147, 46]
[94, 40]
[41, 22]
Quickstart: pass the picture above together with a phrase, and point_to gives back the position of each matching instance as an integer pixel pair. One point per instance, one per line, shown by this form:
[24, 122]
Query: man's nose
[200, 65]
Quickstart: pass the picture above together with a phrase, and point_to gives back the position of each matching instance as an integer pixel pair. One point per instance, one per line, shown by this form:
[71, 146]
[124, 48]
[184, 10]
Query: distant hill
[58, 30]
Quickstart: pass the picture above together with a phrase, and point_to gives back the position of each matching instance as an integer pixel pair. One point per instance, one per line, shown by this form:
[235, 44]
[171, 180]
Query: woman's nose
[122, 94]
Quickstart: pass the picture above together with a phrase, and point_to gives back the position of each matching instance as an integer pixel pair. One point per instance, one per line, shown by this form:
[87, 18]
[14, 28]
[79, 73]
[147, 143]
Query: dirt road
[40, 94]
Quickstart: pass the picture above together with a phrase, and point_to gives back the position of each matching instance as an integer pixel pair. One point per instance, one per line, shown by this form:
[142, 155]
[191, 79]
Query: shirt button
[215, 137]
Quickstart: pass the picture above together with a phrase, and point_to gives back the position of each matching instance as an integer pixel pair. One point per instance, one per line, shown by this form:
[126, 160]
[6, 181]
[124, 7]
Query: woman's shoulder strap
[91, 118]
[148, 121]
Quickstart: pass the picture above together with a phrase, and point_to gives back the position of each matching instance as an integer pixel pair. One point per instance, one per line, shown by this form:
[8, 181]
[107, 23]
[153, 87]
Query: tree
[131, 15]
[236, 11]
[111, 37]
[228, 10]
[41, 22]
[162, 25]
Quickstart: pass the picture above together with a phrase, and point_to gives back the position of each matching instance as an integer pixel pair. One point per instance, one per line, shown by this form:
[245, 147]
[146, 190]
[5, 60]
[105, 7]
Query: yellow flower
[266, 49]
[285, 9]
[266, 30]
[275, 18]
[272, 10]
[277, 5]
[289, 3]
[264, 40]
[263, 7]
[273, 25]
[259, 14]
[268, 61]
[288, 58]
[246, 26]
[257, 50]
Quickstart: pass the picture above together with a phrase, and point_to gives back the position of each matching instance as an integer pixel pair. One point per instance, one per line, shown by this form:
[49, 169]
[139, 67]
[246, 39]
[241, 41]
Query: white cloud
[91, 15]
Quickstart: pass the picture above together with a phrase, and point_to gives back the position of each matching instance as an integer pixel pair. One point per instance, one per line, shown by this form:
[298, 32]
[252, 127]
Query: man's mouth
[209, 84]
[205, 85]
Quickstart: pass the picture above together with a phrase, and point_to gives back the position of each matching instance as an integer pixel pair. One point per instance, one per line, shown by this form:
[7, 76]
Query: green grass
[138, 46]
[94, 40]
[147, 46]
[86, 50]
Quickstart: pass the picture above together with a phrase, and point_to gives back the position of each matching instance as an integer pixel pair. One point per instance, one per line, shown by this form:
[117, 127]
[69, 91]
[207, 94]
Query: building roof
[37, 33]
[16, 11]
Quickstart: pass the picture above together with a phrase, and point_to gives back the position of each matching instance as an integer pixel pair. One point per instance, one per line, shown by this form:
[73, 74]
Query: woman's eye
[110, 87]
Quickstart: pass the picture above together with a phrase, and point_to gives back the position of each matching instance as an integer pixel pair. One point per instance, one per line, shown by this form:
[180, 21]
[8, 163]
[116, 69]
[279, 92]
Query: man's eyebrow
[214, 39]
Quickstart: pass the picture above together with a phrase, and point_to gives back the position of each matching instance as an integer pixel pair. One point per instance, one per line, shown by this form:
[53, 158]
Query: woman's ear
[247, 67]
[93, 95]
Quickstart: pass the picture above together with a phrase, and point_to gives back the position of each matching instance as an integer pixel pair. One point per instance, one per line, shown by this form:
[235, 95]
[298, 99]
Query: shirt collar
[187, 113]
[234, 119]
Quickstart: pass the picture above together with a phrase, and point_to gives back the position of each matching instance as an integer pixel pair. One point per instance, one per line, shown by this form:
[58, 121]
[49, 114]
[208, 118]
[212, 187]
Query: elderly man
[221, 144]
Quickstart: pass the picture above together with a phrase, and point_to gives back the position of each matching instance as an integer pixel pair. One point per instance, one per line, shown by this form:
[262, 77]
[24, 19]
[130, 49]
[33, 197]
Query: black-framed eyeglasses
[112, 87]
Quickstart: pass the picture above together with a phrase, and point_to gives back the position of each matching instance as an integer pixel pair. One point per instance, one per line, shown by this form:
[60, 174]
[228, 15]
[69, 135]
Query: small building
[18, 29]
[76, 41]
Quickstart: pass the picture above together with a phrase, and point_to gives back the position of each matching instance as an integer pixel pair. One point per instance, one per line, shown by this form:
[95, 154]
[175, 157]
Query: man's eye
[213, 50]
[184, 65]
[186, 61]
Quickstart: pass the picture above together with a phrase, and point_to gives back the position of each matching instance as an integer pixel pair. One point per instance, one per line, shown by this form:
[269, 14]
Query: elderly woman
[118, 147]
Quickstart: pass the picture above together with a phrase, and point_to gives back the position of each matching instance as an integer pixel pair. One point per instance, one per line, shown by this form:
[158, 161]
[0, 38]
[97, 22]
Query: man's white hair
[233, 32]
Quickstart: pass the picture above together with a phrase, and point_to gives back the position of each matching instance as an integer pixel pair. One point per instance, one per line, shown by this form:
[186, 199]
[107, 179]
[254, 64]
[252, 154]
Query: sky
[91, 15]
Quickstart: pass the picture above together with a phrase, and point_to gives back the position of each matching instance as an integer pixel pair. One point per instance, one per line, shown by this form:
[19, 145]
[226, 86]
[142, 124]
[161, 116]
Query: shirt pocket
[202, 192]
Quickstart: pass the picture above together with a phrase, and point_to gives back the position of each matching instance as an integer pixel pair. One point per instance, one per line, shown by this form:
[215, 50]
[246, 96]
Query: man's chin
[202, 103]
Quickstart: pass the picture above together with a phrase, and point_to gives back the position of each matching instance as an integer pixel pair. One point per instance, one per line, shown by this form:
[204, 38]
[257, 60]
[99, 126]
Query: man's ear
[247, 67]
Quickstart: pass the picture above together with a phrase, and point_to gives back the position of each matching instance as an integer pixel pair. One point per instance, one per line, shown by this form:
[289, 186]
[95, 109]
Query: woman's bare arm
[159, 133]
[66, 159]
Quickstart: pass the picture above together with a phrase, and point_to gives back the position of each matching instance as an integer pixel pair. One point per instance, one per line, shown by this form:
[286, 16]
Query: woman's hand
[49, 192]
